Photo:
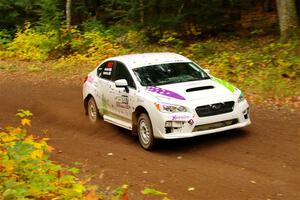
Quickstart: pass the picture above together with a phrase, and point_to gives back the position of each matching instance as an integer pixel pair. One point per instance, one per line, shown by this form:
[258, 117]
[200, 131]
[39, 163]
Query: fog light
[246, 113]
[168, 124]
[174, 124]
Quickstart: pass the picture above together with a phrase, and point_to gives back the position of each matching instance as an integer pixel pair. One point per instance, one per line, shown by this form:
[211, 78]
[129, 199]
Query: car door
[123, 101]
[104, 85]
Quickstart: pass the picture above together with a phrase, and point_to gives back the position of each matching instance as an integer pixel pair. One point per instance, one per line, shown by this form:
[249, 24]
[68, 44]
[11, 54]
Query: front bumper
[192, 125]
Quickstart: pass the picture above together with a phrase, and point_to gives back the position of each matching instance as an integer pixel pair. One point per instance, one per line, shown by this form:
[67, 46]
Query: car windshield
[169, 73]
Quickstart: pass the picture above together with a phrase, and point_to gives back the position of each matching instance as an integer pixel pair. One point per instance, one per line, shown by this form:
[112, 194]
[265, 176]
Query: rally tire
[145, 132]
[92, 110]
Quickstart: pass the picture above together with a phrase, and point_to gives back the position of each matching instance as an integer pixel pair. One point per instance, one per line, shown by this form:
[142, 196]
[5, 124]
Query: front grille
[215, 125]
[215, 109]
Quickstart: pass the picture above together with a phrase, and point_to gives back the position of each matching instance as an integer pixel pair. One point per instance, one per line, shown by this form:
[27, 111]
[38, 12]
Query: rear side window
[106, 70]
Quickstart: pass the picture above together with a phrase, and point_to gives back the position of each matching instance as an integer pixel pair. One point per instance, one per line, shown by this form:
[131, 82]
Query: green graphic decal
[104, 103]
[230, 87]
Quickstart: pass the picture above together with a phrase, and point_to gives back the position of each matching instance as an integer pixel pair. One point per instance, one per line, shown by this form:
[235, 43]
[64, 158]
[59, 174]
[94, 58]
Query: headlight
[241, 97]
[170, 108]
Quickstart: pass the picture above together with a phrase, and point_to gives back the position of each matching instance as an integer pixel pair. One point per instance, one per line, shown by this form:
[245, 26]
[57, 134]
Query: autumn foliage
[25, 168]
[26, 172]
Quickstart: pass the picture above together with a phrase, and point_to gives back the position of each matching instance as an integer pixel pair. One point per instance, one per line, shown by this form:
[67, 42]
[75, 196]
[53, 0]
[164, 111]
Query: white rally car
[162, 95]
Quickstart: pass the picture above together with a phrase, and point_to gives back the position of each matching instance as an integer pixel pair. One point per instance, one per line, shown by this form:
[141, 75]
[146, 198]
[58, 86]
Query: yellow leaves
[284, 63]
[36, 154]
[29, 138]
[17, 131]
[2, 152]
[25, 122]
[34, 45]
[38, 145]
[22, 158]
[9, 166]
[78, 188]
[236, 57]
[23, 113]
[8, 138]
[49, 148]
[2, 134]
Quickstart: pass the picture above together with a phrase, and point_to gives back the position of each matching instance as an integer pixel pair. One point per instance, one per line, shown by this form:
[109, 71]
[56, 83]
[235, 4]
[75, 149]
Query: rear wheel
[93, 112]
[145, 132]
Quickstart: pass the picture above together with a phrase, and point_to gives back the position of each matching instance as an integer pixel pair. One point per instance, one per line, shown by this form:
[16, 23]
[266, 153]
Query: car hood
[210, 89]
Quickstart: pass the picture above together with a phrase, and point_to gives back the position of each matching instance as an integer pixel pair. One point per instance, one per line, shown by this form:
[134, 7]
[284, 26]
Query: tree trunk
[142, 14]
[68, 13]
[287, 15]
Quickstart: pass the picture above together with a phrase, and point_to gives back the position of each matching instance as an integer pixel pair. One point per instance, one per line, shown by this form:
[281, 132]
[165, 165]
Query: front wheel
[93, 112]
[145, 132]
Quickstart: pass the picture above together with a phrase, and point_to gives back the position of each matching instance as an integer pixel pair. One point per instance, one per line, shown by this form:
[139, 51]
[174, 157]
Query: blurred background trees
[190, 18]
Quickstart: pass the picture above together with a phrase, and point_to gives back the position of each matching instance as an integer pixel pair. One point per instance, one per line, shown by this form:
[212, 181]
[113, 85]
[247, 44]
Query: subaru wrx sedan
[162, 95]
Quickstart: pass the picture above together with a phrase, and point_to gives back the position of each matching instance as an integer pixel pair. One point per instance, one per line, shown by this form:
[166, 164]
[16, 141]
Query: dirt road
[259, 162]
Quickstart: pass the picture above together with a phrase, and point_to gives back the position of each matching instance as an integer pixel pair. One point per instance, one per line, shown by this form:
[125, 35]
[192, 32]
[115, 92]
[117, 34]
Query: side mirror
[207, 71]
[122, 83]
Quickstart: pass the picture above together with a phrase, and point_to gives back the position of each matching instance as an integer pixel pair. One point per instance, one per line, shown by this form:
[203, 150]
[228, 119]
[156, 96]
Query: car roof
[146, 59]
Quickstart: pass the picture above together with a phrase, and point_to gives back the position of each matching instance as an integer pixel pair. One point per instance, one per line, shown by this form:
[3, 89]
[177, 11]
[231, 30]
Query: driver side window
[121, 72]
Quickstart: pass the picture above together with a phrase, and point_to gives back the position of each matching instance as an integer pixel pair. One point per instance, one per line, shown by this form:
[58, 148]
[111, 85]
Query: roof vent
[200, 88]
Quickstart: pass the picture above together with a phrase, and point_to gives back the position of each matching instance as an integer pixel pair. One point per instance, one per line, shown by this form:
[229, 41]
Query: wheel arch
[85, 103]
[135, 116]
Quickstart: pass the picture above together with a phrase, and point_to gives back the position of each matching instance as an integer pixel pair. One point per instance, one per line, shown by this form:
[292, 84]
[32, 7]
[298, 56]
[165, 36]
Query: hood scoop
[200, 88]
